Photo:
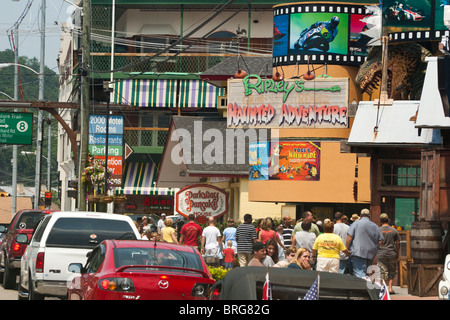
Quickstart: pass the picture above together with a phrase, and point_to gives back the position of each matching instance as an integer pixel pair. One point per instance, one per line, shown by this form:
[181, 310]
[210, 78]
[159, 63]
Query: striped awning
[198, 94]
[140, 178]
[166, 93]
[146, 93]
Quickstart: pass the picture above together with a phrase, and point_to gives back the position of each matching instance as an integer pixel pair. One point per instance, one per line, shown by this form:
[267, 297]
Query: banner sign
[97, 143]
[414, 20]
[254, 102]
[322, 32]
[203, 200]
[285, 160]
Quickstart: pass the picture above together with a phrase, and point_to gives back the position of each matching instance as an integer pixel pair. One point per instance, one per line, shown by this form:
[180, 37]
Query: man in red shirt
[190, 232]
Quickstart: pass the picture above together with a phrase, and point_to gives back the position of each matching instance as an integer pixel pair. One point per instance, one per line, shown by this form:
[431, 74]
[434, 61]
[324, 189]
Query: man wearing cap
[363, 239]
[388, 252]
[259, 253]
[161, 222]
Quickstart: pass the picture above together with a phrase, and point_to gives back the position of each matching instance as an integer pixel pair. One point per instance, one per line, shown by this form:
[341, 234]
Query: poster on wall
[295, 160]
[259, 161]
[320, 33]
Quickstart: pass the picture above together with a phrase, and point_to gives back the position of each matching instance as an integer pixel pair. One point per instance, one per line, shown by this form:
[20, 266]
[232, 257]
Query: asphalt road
[11, 294]
[7, 294]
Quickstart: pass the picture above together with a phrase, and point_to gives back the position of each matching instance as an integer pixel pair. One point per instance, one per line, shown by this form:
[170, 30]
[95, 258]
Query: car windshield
[29, 220]
[156, 257]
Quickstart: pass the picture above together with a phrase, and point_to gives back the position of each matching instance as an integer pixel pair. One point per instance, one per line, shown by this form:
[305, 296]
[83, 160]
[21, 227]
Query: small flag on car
[267, 290]
[384, 292]
[313, 292]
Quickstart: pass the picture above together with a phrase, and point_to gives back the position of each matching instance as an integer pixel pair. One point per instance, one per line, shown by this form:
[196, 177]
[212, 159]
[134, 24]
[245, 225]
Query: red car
[22, 225]
[141, 270]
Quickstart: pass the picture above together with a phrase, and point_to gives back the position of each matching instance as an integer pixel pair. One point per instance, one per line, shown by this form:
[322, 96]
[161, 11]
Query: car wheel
[33, 295]
[9, 276]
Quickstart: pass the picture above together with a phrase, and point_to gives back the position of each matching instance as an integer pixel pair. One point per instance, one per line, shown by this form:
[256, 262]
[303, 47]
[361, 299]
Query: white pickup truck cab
[60, 239]
[444, 284]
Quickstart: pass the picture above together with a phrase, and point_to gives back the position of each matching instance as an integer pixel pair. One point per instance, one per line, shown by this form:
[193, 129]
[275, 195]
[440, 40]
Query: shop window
[401, 175]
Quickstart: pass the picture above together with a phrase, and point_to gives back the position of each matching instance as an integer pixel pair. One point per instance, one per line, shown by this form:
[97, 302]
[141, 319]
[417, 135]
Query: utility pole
[16, 97]
[85, 99]
[37, 179]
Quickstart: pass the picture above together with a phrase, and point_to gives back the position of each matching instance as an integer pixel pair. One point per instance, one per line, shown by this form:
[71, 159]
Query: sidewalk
[402, 294]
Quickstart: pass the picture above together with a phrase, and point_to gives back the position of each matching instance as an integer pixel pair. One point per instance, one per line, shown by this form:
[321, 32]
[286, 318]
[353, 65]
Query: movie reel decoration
[322, 33]
[343, 33]
[414, 20]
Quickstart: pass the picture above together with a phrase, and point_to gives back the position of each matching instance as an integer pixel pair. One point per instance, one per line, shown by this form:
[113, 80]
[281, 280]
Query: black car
[291, 284]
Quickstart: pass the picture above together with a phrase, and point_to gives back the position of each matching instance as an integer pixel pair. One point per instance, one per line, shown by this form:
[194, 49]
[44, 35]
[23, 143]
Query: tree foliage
[29, 91]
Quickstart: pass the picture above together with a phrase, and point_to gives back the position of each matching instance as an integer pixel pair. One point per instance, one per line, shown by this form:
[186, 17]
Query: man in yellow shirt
[327, 248]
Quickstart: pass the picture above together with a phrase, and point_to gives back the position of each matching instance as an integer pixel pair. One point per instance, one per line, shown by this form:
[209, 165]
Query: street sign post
[16, 128]
[97, 143]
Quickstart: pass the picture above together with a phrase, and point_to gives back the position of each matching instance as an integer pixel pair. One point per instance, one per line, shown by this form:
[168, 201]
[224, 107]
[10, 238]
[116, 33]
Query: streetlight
[69, 2]
[5, 65]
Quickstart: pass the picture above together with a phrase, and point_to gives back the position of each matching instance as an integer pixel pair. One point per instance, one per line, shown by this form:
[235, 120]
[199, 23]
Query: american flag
[267, 290]
[384, 292]
[313, 292]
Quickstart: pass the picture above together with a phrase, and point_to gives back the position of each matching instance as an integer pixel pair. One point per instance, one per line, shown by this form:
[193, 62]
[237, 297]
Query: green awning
[140, 179]
[160, 93]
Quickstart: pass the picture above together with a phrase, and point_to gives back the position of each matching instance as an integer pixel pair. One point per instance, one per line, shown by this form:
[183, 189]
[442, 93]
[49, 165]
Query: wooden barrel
[426, 242]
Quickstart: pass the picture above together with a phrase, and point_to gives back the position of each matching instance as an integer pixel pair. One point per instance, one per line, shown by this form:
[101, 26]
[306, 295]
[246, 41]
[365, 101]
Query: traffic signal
[48, 199]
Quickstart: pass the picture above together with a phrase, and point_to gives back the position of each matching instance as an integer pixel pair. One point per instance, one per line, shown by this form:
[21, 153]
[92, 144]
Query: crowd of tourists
[341, 245]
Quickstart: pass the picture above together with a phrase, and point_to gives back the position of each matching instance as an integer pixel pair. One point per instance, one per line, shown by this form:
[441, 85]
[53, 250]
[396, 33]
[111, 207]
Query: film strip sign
[418, 21]
[320, 33]
[427, 35]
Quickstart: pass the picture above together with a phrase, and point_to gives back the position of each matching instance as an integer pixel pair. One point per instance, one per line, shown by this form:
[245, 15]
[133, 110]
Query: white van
[60, 239]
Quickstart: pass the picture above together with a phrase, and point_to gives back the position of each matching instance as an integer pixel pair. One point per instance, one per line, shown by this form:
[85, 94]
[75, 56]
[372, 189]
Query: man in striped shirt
[245, 237]
[287, 231]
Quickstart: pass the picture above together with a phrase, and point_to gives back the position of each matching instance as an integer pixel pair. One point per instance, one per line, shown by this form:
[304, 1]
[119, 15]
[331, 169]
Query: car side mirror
[3, 229]
[22, 238]
[75, 268]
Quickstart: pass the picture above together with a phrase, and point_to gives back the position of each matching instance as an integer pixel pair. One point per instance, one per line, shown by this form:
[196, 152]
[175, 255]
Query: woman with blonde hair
[267, 233]
[168, 233]
[301, 260]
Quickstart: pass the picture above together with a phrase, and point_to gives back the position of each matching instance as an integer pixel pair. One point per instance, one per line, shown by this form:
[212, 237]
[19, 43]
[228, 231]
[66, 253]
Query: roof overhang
[434, 100]
[199, 147]
[379, 125]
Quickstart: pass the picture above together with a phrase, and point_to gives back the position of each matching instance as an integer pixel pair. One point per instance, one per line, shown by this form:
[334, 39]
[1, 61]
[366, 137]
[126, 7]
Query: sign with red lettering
[203, 200]
[116, 165]
[254, 102]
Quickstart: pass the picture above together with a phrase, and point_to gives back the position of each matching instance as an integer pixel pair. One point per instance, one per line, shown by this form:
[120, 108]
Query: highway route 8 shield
[16, 128]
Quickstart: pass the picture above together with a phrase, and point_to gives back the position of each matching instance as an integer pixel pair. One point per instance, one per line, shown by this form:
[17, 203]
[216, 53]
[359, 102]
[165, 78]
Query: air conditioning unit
[222, 102]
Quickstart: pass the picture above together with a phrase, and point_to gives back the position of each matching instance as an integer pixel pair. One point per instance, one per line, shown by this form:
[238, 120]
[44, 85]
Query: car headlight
[444, 290]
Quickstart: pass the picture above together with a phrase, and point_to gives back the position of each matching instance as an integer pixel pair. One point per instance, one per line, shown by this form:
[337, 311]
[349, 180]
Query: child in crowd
[229, 255]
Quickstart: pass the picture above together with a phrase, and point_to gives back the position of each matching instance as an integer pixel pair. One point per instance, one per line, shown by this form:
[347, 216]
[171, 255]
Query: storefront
[395, 146]
[142, 197]
[305, 163]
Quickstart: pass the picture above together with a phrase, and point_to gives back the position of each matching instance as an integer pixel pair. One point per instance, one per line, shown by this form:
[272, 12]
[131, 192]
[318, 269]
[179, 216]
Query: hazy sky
[57, 11]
